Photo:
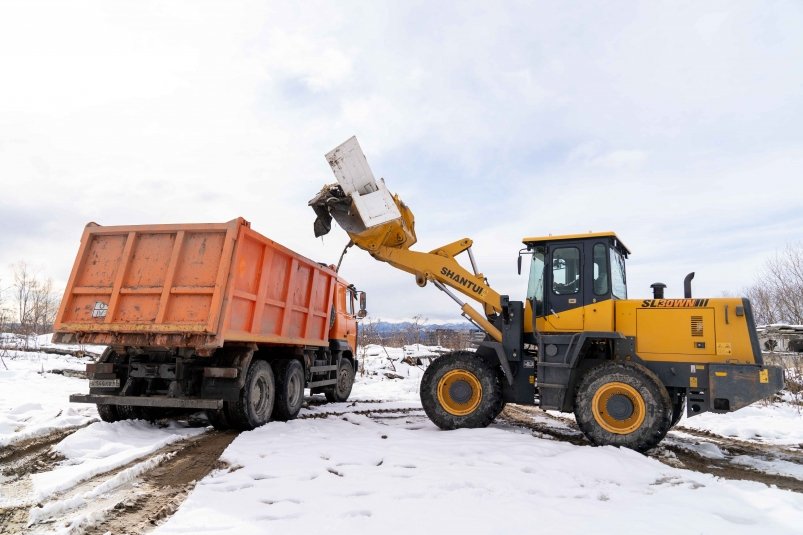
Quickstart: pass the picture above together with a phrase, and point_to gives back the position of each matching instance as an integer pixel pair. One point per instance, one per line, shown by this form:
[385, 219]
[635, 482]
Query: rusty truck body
[207, 316]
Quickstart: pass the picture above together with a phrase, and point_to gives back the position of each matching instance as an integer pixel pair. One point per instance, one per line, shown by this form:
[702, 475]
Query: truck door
[564, 291]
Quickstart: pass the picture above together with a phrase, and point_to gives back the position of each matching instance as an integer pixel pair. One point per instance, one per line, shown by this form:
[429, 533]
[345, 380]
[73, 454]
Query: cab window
[618, 280]
[601, 286]
[566, 271]
[535, 284]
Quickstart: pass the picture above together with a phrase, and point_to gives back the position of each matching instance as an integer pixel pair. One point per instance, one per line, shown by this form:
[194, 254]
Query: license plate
[104, 383]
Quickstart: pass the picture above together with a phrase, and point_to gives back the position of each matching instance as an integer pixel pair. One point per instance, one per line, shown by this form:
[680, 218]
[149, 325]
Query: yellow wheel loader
[627, 368]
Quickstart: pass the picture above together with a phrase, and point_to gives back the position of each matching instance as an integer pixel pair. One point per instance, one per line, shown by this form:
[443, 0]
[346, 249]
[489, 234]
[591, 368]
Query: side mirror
[518, 264]
[362, 312]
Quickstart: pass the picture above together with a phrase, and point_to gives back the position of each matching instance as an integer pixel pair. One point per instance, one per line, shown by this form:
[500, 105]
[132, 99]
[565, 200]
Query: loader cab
[574, 281]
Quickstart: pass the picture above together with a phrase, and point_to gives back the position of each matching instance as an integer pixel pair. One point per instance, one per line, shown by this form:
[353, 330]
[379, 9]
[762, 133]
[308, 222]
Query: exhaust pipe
[687, 285]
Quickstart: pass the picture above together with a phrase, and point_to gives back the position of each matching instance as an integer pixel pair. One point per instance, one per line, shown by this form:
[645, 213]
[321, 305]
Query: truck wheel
[341, 390]
[289, 389]
[461, 390]
[623, 404]
[108, 413]
[255, 403]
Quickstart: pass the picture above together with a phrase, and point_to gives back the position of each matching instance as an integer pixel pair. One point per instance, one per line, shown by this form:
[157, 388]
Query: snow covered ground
[376, 463]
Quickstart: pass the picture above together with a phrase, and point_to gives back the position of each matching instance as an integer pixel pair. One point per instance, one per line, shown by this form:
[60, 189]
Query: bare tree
[777, 295]
[5, 313]
[36, 303]
[24, 288]
[765, 307]
[45, 305]
[369, 331]
[414, 330]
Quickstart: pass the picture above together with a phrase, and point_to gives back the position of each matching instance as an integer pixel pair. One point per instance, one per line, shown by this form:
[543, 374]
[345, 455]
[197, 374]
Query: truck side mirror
[362, 312]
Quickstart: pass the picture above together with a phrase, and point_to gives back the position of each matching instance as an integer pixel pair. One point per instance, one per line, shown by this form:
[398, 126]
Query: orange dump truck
[207, 316]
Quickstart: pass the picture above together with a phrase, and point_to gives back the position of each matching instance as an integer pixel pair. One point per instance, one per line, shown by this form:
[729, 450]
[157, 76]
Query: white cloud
[675, 125]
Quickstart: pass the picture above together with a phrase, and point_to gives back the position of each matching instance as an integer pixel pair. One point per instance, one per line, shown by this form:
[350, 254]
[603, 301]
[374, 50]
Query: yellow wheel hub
[459, 392]
[618, 408]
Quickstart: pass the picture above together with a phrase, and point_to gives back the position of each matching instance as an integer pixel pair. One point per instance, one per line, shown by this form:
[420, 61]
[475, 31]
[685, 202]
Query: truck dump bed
[192, 286]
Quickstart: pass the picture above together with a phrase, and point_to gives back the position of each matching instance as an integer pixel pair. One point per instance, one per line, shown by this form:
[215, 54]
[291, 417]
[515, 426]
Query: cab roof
[569, 237]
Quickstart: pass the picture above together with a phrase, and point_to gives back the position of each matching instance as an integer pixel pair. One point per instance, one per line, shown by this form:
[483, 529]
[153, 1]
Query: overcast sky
[676, 124]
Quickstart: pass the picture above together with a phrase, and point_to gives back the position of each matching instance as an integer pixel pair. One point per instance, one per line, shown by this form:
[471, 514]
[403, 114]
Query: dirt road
[140, 495]
[128, 499]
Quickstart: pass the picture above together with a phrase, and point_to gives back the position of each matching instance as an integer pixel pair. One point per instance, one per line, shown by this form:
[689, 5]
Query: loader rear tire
[108, 413]
[289, 389]
[623, 404]
[255, 404]
[341, 390]
[461, 390]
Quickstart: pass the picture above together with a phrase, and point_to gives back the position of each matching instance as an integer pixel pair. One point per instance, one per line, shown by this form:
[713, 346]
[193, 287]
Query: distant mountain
[389, 327]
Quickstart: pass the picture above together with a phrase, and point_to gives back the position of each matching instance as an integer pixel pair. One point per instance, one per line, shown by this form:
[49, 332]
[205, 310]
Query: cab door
[564, 287]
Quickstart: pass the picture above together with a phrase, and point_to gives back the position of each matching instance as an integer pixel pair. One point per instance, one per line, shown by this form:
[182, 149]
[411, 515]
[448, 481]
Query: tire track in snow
[161, 490]
[131, 498]
[32, 455]
[17, 462]
[679, 451]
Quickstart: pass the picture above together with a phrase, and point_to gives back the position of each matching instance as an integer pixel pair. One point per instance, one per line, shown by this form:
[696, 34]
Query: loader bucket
[360, 204]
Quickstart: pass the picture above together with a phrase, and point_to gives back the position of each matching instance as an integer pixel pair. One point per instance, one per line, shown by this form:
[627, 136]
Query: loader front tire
[623, 404]
[255, 404]
[289, 389]
[461, 390]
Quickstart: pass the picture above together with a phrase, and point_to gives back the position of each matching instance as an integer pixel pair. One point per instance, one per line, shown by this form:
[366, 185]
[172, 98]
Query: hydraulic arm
[383, 225]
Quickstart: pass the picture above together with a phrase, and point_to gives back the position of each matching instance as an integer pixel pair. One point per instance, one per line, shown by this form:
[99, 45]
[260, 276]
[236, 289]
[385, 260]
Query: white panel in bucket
[372, 199]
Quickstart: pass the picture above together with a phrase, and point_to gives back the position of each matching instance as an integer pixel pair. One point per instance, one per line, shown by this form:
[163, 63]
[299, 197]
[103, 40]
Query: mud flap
[734, 386]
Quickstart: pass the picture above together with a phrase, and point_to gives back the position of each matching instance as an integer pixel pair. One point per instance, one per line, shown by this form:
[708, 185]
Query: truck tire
[341, 390]
[289, 389]
[108, 413]
[623, 404]
[255, 404]
[460, 390]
